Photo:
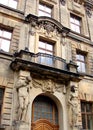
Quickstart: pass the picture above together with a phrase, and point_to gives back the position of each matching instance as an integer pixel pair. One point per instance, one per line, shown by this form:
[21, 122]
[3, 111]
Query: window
[81, 62]
[45, 10]
[46, 48]
[5, 39]
[10, 3]
[1, 100]
[87, 115]
[75, 23]
[45, 108]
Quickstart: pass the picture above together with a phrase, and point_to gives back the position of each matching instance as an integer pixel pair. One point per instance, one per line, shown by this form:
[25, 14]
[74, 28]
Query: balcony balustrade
[49, 60]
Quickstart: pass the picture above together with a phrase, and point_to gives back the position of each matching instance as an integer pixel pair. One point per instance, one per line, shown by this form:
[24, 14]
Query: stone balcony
[42, 64]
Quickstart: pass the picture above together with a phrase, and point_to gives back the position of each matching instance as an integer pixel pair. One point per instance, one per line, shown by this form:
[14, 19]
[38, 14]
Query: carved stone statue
[23, 88]
[73, 109]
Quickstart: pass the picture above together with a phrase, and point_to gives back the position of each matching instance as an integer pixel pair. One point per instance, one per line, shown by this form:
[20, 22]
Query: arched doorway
[44, 114]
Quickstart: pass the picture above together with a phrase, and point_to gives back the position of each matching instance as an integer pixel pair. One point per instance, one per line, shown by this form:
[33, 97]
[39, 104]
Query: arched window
[45, 108]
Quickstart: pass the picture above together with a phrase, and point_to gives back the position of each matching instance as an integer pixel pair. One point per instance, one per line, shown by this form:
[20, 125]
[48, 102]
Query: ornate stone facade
[43, 62]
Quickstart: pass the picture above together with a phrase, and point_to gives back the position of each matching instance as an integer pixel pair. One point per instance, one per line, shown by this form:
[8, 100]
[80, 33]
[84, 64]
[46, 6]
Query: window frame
[45, 5]
[6, 38]
[86, 113]
[81, 62]
[46, 59]
[79, 25]
[9, 5]
[54, 113]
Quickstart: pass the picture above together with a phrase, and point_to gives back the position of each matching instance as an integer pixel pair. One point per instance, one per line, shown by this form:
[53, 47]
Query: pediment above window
[47, 23]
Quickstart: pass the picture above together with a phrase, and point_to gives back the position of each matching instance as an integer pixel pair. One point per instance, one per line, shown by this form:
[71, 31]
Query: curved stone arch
[59, 105]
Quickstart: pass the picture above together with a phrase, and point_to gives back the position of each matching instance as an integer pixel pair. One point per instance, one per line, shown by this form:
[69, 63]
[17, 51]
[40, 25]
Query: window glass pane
[7, 34]
[5, 2]
[51, 53]
[46, 14]
[41, 44]
[41, 7]
[42, 51]
[13, 3]
[49, 61]
[90, 122]
[77, 21]
[82, 58]
[87, 115]
[48, 9]
[82, 107]
[77, 29]
[84, 121]
[77, 57]
[44, 10]
[88, 107]
[73, 27]
[72, 20]
[49, 47]
[79, 68]
[41, 13]
[0, 32]
[83, 67]
[5, 45]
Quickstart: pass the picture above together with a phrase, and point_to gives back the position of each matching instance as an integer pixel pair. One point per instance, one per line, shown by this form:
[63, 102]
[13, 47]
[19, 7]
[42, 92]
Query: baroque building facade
[46, 59]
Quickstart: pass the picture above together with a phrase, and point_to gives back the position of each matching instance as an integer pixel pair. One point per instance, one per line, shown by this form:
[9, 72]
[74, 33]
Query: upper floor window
[81, 62]
[5, 39]
[87, 115]
[75, 23]
[10, 3]
[44, 10]
[46, 48]
[1, 100]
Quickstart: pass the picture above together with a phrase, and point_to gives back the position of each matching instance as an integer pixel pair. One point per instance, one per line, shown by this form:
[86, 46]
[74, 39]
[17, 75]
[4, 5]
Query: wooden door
[44, 114]
[44, 124]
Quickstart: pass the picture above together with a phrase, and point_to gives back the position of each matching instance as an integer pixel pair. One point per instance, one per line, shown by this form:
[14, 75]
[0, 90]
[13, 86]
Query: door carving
[44, 114]
[44, 124]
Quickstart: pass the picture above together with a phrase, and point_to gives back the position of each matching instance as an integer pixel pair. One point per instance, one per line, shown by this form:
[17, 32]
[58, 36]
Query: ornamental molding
[48, 25]
[48, 30]
[48, 86]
